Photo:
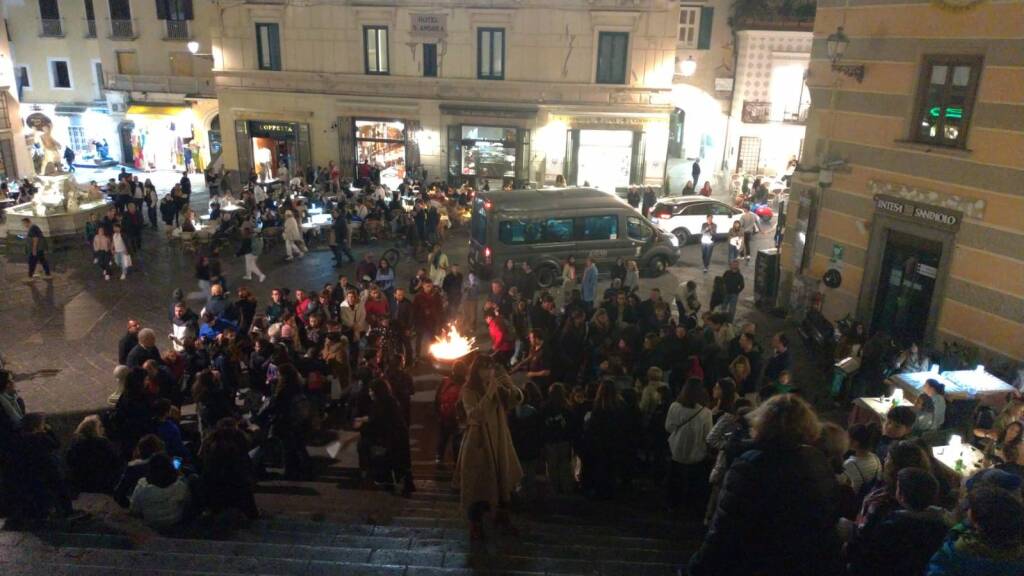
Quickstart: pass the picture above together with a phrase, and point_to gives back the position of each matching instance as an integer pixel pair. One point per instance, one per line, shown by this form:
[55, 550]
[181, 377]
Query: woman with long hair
[604, 441]
[688, 424]
[488, 468]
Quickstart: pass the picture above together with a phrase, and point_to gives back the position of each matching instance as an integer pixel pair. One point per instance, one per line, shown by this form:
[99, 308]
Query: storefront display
[493, 155]
[271, 146]
[605, 157]
[381, 144]
[156, 137]
[89, 131]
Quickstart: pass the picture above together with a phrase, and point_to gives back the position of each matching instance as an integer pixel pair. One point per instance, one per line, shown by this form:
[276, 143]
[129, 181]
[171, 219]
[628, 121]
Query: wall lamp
[688, 67]
[836, 44]
[193, 48]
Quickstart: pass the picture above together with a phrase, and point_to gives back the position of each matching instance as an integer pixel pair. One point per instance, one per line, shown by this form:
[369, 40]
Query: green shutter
[707, 18]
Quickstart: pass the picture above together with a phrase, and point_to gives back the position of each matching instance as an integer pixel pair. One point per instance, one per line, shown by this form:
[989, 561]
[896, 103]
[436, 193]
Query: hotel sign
[924, 213]
[429, 25]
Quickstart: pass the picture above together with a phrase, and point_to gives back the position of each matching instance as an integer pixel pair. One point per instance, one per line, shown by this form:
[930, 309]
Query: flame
[452, 345]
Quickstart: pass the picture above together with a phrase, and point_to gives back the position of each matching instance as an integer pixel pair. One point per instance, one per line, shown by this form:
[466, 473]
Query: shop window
[945, 99]
[430, 60]
[599, 228]
[490, 53]
[636, 229]
[375, 43]
[76, 137]
[612, 52]
[382, 144]
[268, 46]
[127, 62]
[60, 74]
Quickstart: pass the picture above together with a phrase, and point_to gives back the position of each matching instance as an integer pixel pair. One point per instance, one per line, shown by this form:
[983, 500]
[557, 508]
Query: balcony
[761, 112]
[90, 28]
[51, 27]
[756, 112]
[190, 85]
[792, 15]
[123, 29]
[177, 30]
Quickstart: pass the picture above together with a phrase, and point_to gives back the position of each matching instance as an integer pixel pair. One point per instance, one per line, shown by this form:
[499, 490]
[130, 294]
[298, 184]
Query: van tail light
[488, 205]
[487, 255]
[664, 215]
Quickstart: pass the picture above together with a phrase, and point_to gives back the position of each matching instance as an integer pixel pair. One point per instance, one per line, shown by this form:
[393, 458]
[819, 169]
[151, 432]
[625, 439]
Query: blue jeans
[730, 305]
[734, 253]
[705, 253]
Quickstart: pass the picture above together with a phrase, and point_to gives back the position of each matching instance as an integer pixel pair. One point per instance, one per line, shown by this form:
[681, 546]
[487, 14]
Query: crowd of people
[583, 391]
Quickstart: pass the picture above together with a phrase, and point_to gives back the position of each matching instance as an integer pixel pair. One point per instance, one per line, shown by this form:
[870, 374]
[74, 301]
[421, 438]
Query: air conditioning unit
[118, 107]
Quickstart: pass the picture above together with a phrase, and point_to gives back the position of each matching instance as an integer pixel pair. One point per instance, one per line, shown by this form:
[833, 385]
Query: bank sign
[923, 213]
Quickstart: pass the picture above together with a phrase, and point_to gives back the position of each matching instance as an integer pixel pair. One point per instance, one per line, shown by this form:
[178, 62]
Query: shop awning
[149, 110]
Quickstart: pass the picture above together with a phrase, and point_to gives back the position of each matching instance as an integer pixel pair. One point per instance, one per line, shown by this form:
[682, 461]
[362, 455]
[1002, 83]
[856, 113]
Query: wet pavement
[60, 336]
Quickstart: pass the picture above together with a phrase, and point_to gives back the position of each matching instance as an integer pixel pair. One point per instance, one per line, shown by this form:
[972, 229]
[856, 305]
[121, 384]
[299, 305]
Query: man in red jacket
[503, 341]
[427, 314]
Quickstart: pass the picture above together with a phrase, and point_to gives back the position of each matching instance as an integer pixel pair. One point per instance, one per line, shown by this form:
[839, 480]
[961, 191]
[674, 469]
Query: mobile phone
[177, 462]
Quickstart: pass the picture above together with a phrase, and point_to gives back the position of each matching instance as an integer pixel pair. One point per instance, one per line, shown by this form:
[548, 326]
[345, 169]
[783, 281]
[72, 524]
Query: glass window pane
[939, 74]
[382, 50]
[499, 53]
[558, 230]
[600, 227]
[371, 50]
[485, 54]
[961, 76]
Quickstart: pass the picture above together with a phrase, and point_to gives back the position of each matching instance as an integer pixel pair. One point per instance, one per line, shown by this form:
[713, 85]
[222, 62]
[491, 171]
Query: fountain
[59, 207]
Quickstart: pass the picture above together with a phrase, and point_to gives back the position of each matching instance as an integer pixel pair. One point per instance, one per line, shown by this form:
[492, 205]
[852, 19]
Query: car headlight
[674, 240]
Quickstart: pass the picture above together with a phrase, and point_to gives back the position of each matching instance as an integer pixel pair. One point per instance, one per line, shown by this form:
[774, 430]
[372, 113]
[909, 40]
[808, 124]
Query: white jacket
[291, 230]
[688, 430]
[160, 507]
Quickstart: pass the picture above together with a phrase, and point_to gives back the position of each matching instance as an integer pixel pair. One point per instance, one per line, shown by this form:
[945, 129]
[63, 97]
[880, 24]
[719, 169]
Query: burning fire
[452, 345]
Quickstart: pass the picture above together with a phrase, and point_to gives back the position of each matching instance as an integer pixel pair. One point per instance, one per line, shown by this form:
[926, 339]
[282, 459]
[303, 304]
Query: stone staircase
[332, 526]
[321, 527]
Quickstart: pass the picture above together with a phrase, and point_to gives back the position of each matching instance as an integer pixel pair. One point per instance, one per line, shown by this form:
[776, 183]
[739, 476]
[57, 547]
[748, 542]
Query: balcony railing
[761, 112]
[90, 28]
[158, 83]
[756, 112]
[123, 29]
[51, 27]
[796, 15]
[177, 30]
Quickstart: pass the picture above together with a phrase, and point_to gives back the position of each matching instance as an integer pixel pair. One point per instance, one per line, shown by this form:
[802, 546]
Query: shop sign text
[919, 212]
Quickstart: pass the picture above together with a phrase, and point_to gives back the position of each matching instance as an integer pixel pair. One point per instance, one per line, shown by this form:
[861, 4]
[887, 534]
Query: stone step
[233, 558]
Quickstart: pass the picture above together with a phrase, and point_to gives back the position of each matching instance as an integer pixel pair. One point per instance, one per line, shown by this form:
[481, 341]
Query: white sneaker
[246, 277]
[106, 276]
[123, 276]
[262, 278]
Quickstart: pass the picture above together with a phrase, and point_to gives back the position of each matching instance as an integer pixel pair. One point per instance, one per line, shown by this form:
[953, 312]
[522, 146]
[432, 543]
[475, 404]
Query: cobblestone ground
[60, 336]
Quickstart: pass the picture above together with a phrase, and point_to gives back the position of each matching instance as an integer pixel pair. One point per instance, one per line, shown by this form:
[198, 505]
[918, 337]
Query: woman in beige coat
[488, 468]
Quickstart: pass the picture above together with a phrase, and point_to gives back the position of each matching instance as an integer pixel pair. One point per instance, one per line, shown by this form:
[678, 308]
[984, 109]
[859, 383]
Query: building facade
[511, 92]
[14, 157]
[114, 80]
[740, 97]
[916, 199]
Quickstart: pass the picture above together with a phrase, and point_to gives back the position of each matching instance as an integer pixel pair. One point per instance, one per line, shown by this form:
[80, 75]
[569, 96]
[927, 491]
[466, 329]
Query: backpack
[449, 401]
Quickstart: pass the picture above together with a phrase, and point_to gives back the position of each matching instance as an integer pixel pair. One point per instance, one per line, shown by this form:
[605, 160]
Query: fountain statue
[57, 190]
[60, 207]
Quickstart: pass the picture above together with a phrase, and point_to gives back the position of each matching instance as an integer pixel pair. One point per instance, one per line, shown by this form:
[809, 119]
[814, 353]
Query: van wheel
[658, 266]
[547, 276]
[683, 234]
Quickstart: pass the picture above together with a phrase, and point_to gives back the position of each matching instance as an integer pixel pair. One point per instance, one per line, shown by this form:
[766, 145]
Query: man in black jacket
[128, 342]
[145, 350]
[734, 284]
[341, 237]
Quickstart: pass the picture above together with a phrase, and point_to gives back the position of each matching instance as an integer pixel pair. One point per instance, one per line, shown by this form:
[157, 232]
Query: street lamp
[688, 67]
[193, 46]
[836, 44]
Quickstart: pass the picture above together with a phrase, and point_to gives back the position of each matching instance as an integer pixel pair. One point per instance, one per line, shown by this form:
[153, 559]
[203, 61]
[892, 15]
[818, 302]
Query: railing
[756, 112]
[90, 28]
[177, 30]
[51, 27]
[799, 116]
[160, 83]
[122, 29]
[796, 15]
